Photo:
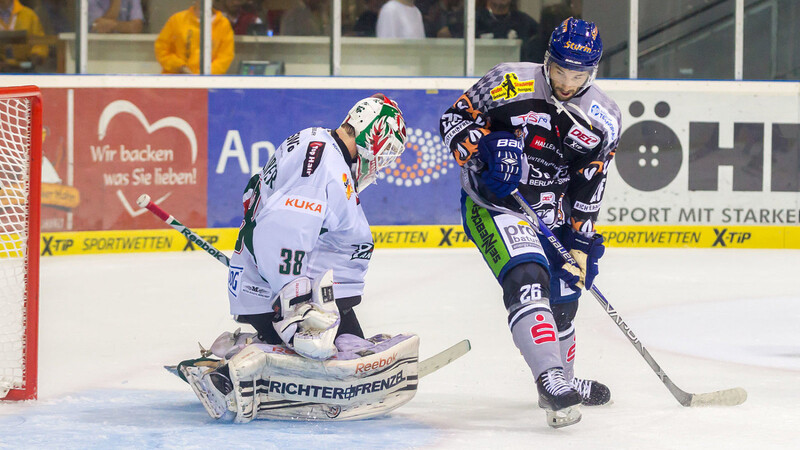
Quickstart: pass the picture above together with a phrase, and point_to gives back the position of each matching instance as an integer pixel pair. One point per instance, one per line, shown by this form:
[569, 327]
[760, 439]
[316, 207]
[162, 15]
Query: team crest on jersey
[348, 186]
[363, 251]
[313, 157]
[533, 118]
[511, 86]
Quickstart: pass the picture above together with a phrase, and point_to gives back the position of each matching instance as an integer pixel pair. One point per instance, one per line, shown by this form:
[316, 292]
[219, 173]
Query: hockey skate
[213, 388]
[593, 393]
[558, 398]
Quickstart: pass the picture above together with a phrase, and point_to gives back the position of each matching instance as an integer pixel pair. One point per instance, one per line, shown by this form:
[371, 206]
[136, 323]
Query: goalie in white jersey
[298, 270]
[302, 218]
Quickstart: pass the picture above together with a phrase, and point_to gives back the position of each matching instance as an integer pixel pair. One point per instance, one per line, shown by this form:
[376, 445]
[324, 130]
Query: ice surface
[713, 319]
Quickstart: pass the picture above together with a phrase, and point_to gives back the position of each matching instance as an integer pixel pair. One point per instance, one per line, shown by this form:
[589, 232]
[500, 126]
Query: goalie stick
[426, 366]
[144, 202]
[726, 397]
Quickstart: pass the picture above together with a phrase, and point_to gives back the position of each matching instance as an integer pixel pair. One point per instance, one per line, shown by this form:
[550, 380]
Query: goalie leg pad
[273, 383]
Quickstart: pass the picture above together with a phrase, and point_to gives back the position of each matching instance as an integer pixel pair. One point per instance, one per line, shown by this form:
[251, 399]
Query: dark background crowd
[43, 20]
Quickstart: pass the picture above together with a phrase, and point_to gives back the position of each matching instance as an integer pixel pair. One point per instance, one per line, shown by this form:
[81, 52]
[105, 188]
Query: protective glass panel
[771, 40]
[687, 39]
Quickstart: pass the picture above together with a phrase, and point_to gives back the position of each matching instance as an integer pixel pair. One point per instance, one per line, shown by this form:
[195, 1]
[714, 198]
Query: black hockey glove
[501, 154]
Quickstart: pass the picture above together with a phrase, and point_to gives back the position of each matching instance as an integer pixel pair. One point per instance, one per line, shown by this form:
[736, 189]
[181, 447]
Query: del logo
[313, 157]
[581, 139]
[301, 204]
[511, 87]
[533, 118]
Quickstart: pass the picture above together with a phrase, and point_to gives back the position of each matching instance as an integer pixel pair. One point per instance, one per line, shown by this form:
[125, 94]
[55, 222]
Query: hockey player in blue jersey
[548, 131]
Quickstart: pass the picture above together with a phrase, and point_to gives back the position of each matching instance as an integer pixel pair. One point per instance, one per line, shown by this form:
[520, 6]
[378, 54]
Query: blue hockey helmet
[575, 45]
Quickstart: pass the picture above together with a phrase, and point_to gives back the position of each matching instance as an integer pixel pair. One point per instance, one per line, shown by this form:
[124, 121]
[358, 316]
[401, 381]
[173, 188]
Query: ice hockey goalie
[365, 378]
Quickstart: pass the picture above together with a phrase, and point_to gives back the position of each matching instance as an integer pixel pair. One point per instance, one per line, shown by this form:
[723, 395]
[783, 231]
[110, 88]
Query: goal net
[20, 192]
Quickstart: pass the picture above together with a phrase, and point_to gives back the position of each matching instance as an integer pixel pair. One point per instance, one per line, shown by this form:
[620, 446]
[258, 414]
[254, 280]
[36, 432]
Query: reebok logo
[383, 362]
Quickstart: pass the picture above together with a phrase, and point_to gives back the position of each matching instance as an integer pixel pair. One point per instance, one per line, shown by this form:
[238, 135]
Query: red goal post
[20, 200]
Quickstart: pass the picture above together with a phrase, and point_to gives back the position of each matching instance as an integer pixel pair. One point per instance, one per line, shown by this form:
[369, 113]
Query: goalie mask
[380, 134]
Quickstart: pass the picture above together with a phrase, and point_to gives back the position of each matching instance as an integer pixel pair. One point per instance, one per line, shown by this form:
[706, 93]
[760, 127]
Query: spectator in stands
[452, 19]
[56, 16]
[368, 20]
[116, 16]
[307, 18]
[432, 16]
[178, 45]
[502, 20]
[241, 14]
[20, 57]
[400, 19]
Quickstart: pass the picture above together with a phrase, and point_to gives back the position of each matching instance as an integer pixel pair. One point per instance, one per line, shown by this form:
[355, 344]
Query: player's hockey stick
[727, 397]
[144, 202]
[426, 366]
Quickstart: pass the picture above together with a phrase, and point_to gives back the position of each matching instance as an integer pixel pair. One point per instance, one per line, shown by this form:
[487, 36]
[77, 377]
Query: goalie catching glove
[586, 251]
[306, 316]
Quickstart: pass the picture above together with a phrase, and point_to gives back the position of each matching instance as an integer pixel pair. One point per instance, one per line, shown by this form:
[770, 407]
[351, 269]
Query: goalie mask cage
[20, 198]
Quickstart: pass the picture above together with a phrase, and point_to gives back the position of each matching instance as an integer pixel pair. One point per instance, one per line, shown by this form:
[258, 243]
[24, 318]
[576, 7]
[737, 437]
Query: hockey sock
[566, 340]
[534, 334]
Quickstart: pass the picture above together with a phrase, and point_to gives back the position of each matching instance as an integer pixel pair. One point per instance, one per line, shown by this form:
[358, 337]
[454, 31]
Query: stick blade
[443, 358]
[727, 397]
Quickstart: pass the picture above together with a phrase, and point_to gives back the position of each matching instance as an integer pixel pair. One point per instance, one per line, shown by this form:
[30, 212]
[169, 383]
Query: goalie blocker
[366, 378]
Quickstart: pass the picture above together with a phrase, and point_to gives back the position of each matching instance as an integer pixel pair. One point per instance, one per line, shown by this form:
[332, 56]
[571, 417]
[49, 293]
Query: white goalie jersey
[302, 217]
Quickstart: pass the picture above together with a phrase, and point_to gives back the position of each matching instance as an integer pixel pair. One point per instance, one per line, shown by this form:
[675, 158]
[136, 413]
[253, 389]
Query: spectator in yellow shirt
[16, 57]
[178, 45]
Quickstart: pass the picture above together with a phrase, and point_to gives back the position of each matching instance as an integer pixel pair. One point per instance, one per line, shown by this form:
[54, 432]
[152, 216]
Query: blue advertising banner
[246, 125]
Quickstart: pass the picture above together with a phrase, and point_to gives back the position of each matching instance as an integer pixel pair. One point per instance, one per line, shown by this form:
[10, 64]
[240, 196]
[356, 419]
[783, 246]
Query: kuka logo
[303, 205]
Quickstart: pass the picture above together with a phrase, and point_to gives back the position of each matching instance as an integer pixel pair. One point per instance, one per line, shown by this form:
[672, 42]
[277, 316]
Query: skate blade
[563, 417]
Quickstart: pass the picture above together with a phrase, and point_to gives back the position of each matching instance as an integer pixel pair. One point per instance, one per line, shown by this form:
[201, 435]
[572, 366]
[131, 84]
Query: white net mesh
[15, 124]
